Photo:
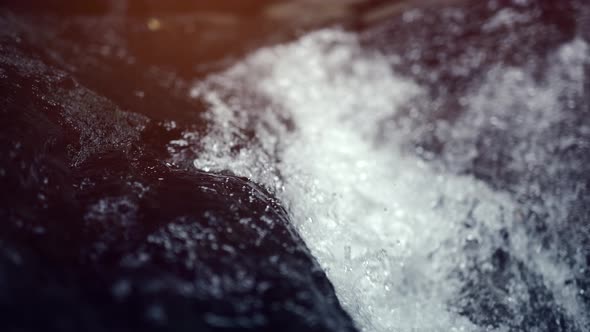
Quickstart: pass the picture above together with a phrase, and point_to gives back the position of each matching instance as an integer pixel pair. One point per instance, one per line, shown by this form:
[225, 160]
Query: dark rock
[99, 233]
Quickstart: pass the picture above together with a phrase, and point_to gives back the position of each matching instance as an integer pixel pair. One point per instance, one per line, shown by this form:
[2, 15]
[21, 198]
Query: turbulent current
[422, 221]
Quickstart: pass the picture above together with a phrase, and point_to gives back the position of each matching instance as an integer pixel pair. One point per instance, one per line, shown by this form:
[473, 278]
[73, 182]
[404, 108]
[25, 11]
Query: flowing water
[486, 232]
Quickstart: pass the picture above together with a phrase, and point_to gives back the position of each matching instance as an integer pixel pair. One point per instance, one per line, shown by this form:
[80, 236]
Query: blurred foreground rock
[99, 231]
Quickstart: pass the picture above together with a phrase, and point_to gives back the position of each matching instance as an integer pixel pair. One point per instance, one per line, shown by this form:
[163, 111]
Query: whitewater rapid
[321, 123]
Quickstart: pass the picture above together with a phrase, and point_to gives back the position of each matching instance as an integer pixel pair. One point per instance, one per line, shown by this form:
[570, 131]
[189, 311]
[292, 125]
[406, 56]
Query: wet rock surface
[99, 231]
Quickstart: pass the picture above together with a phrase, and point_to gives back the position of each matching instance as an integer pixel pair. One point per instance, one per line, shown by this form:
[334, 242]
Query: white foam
[304, 120]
